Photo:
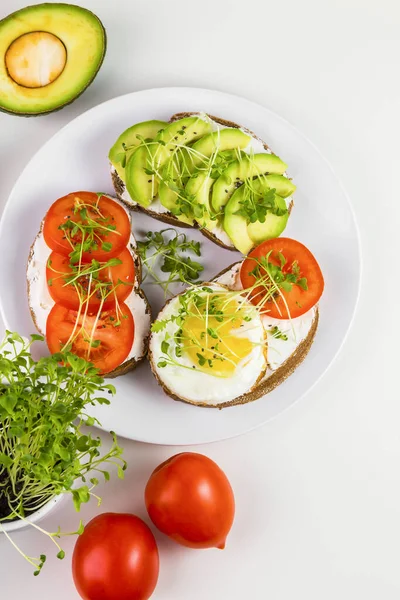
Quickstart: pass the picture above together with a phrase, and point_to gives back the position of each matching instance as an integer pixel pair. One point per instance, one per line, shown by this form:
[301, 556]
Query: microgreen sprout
[167, 252]
[206, 325]
[44, 451]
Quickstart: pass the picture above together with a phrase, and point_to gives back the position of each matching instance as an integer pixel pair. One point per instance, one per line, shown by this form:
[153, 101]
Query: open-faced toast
[279, 349]
[196, 187]
[41, 301]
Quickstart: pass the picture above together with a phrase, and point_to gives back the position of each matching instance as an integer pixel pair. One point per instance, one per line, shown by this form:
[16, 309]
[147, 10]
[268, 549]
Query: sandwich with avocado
[198, 170]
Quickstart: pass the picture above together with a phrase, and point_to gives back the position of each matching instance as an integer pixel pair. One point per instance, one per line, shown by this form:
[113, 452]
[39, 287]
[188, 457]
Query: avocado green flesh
[168, 200]
[129, 138]
[175, 171]
[142, 186]
[272, 226]
[218, 141]
[240, 170]
[84, 38]
[200, 188]
[229, 143]
[246, 235]
[182, 132]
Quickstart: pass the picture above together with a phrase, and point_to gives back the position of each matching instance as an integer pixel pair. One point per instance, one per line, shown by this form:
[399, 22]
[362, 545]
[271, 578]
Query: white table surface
[318, 488]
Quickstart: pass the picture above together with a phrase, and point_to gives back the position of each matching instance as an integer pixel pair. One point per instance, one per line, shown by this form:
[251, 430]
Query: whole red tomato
[189, 498]
[115, 558]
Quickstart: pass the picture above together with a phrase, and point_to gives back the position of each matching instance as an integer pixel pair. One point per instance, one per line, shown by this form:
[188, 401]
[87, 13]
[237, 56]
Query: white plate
[76, 159]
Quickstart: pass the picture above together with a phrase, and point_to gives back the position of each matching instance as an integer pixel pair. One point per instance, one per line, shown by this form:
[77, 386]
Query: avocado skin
[47, 112]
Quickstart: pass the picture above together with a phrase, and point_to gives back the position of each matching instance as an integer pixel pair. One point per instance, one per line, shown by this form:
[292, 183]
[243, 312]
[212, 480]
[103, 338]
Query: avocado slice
[141, 172]
[118, 156]
[244, 168]
[174, 175]
[199, 187]
[182, 132]
[206, 156]
[246, 235]
[218, 141]
[143, 169]
[272, 226]
[49, 54]
[168, 199]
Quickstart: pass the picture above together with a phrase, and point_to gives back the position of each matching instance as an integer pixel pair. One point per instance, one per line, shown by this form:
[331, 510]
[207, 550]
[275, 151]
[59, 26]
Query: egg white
[189, 383]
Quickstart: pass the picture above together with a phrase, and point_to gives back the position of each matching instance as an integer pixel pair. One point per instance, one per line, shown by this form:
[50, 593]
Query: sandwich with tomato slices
[234, 339]
[84, 280]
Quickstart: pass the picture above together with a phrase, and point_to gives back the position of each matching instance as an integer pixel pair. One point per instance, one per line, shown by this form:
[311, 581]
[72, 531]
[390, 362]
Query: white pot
[33, 517]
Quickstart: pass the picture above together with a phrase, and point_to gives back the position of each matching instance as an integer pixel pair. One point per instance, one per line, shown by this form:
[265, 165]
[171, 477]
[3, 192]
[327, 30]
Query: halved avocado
[49, 54]
[246, 235]
[129, 140]
[248, 166]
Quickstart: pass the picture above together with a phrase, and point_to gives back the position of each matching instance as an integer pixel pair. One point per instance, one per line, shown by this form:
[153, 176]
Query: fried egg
[208, 345]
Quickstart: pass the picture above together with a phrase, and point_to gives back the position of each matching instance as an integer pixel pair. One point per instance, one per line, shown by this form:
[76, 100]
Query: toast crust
[266, 384]
[168, 217]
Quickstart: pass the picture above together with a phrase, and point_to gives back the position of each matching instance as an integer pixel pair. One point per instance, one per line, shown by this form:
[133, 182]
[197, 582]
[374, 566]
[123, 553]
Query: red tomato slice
[298, 300]
[106, 227]
[110, 344]
[120, 278]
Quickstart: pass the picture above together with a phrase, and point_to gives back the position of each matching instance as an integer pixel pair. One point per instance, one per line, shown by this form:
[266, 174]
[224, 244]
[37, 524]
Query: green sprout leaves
[168, 252]
[255, 207]
[43, 450]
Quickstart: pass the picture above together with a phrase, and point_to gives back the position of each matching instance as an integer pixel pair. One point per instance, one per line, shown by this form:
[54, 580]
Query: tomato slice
[111, 334]
[94, 226]
[91, 286]
[299, 272]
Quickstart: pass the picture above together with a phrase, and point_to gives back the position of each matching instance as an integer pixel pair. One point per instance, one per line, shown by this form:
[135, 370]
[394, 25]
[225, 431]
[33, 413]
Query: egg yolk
[211, 335]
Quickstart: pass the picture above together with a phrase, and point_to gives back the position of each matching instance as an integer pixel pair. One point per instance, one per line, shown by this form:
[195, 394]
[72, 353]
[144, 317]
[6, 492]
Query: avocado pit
[36, 59]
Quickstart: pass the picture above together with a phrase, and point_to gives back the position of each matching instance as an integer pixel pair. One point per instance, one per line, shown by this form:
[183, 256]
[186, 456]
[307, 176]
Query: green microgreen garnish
[86, 234]
[278, 334]
[166, 251]
[44, 450]
[209, 344]
[89, 280]
[256, 206]
[271, 279]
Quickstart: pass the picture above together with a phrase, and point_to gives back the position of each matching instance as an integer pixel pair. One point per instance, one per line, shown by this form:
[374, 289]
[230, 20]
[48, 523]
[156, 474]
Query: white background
[317, 489]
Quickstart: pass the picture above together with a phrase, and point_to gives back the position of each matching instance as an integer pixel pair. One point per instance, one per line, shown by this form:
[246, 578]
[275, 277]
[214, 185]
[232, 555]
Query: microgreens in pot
[43, 450]
[167, 252]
